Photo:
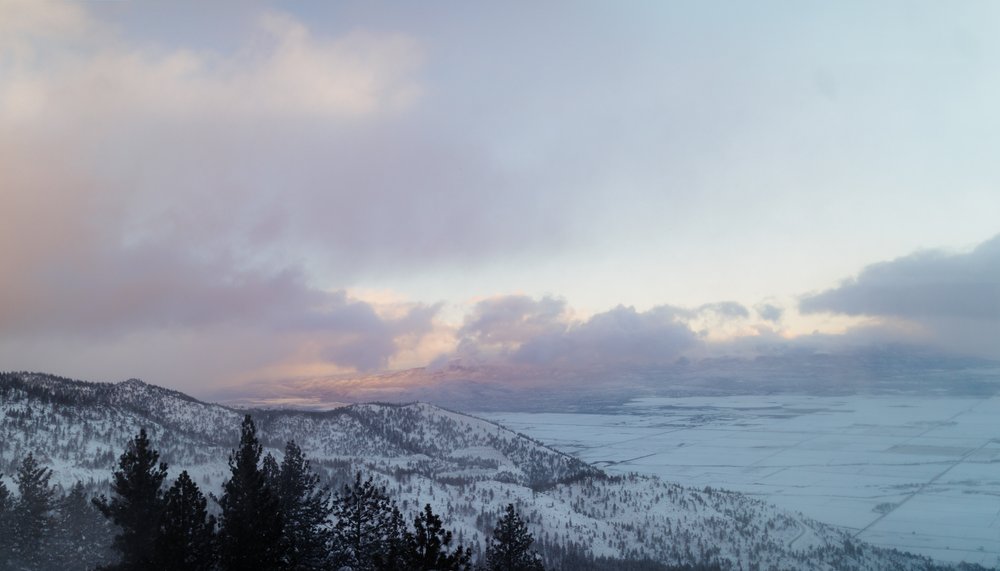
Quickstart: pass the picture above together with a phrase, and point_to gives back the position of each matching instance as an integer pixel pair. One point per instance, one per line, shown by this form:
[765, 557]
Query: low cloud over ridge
[953, 297]
[521, 330]
[922, 285]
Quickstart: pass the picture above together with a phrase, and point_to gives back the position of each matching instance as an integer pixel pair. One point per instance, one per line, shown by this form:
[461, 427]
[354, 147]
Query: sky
[209, 195]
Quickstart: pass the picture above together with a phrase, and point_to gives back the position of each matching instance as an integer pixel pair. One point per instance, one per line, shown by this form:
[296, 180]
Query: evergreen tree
[510, 547]
[395, 554]
[5, 501]
[6, 525]
[364, 516]
[187, 533]
[252, 527]
[430, 546]
[137, 503]
[33, 517]
[82, 537]
[305, 507]
[271, 470]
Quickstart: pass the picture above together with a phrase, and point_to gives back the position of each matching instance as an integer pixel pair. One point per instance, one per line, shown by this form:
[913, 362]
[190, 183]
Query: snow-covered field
[921, 474]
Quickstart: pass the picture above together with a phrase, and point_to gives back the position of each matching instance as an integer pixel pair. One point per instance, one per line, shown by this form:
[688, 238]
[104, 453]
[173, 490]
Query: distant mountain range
[895, 369]
[467, 468]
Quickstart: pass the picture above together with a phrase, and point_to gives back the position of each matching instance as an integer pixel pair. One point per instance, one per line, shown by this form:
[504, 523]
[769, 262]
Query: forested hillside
[465, 469]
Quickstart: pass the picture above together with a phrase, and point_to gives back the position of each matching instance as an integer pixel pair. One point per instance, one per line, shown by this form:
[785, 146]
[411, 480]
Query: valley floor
[921, 474]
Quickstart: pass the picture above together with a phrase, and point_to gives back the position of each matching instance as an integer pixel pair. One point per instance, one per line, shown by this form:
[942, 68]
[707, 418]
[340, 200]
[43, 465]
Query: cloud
[769, 312]
[507, 322]
[953, 297]
[271, 327]
[619, 336]
[184, 197]
[212, 201]
[726, 309]
[366, 340]
[294, 141]
[923, 285]
[87, 295]
[52, 49]
[27, 22]
[513, 346]
[521, 330]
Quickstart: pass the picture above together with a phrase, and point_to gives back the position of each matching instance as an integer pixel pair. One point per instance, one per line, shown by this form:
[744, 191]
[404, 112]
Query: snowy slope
[466, 467]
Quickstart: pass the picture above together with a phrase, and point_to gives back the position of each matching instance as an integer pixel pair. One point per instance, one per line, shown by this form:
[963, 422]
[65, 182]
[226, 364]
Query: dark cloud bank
[953, 298]
[534, 354]
[925, 285]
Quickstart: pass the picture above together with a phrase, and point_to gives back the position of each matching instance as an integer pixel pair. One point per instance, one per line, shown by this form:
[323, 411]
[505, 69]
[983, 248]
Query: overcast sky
[201, 194]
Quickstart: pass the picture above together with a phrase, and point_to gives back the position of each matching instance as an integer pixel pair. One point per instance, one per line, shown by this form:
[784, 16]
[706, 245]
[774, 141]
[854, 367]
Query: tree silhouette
[271, 470]
[305, 507]
[33, 517]
[6, 525]
[430, 546]
[252, 527]
[364, 516]
[187, 533]
[82, 535]
[137, 502]
[395, 553]
[510, 547]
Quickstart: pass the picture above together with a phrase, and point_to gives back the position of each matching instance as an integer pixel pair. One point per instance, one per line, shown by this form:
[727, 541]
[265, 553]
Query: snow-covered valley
[921, 474]
[468, 468]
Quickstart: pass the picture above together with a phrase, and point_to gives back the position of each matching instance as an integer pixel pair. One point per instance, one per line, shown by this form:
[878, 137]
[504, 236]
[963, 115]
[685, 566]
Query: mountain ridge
[466, 467]
[533, 387]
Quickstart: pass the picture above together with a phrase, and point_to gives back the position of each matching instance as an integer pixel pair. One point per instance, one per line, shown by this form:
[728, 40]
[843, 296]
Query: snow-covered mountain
[466, 467]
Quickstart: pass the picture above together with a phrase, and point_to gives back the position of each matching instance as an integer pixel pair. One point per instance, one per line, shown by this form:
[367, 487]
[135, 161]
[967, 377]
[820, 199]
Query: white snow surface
[469, 468]
[920, 474]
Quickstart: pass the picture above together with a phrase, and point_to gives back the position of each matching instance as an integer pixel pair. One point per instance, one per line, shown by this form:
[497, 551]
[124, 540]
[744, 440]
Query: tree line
[44, 527]
[270, 516]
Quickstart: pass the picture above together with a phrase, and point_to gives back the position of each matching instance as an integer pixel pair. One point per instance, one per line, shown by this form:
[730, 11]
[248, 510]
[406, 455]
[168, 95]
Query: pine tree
[82, 537]
[510, 547]
[5, 500]
[395, 554]
[6, 525]
[137, 502]
[252, 527]
[187, 533]
[271, 470]
[305, 507]
[430, 546]
[361, 535]
[33, 517]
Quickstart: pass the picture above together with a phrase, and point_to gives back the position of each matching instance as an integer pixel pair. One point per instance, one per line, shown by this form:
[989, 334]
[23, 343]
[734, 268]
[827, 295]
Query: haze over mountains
[886, 369]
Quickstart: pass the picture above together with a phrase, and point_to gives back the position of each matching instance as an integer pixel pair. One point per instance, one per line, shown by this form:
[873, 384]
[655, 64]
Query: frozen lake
[920, 474]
